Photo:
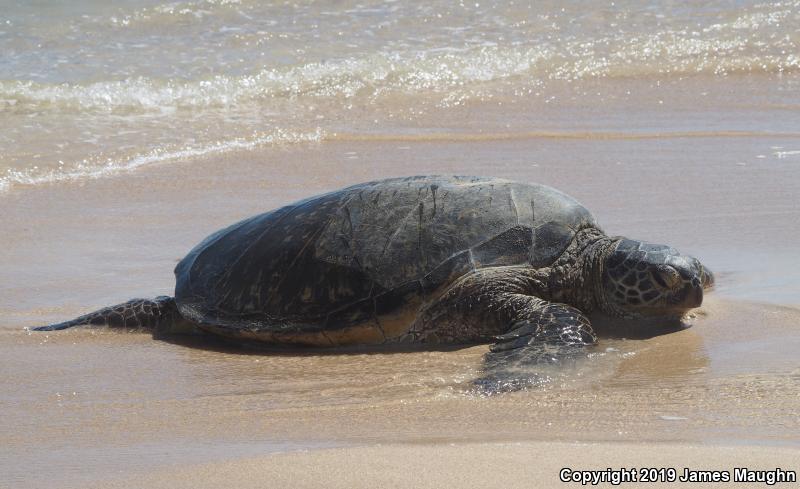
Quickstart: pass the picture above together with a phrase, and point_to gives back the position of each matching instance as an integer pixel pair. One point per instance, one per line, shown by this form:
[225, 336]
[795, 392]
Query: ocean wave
[667, 53]
[93, 169]
[73, 88]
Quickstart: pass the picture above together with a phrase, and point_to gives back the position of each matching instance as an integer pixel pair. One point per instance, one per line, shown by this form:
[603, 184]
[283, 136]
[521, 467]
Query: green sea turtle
[420, 260]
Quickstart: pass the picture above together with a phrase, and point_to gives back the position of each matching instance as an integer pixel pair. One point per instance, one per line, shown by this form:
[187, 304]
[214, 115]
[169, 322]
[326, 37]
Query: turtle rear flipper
[553, 334]
[159, 315]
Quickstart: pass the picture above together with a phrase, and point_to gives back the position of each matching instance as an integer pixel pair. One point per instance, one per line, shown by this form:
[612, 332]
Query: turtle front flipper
[551, 333]
[159, 315]
[505, 304]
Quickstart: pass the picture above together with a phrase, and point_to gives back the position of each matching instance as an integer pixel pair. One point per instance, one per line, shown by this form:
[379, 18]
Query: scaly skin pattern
[490, 301]
[157, 315]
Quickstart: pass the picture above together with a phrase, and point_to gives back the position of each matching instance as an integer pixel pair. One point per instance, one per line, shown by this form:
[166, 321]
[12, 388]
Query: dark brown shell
[356, 254]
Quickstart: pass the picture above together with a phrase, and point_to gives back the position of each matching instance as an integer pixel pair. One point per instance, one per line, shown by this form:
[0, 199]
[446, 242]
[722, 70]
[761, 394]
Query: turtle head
[643, 279]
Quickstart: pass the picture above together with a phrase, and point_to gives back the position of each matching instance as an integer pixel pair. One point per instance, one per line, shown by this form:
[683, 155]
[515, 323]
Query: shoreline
[690, 106]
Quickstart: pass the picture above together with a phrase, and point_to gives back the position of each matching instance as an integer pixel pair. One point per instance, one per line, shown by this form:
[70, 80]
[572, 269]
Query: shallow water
[90, 89]
[675, 123]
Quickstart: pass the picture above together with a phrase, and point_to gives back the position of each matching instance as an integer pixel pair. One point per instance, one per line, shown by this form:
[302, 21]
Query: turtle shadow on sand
[434, 262]
[637, 328]
[217, 344]
[498, 374]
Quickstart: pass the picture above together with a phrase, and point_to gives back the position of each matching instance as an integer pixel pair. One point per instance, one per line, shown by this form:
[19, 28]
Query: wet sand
[101, 408]
[84, 405]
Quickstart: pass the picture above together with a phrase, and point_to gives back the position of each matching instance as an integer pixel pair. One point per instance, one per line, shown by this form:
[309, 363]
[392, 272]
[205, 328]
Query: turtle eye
[666, 276]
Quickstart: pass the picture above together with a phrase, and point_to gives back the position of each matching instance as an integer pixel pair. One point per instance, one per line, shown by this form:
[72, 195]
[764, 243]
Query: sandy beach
[524, 464]
[138, 408]
[695, 146]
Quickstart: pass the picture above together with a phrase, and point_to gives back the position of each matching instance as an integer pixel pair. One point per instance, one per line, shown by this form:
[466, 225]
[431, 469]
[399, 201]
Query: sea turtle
[426, 260]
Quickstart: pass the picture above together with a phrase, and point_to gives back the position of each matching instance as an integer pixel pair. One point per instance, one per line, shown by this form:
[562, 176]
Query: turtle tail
[158, 315]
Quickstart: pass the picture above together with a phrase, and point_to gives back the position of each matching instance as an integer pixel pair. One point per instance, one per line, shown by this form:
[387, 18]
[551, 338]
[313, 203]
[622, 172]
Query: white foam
[452, 73]
[86, 169]
[786, 154]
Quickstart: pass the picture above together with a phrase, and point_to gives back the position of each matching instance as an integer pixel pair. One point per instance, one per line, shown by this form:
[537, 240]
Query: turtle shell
[360, 254]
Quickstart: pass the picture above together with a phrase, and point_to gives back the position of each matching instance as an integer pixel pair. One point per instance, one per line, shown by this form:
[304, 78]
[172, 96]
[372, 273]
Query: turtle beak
[693, 295]
[693, 280]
